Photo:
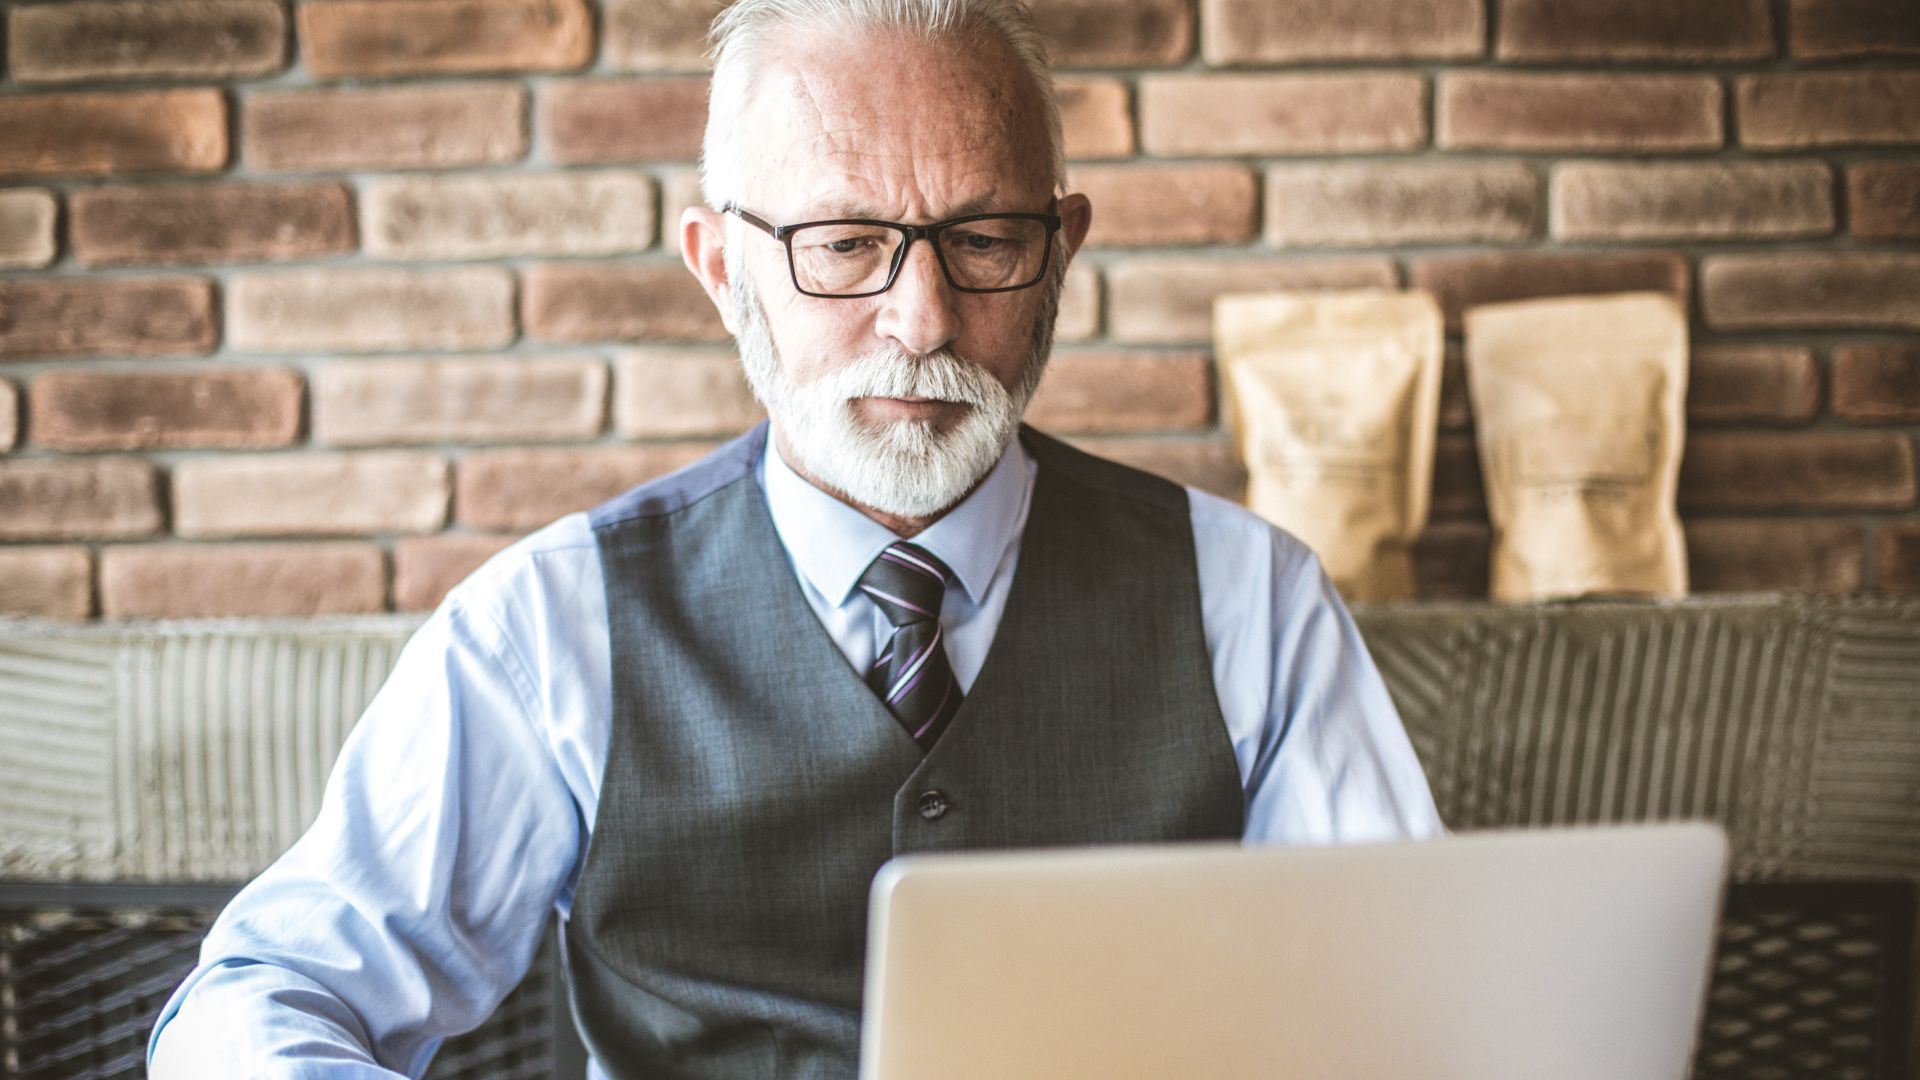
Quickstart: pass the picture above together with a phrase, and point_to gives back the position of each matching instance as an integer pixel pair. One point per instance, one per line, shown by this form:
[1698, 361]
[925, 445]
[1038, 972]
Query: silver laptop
[1577, 954]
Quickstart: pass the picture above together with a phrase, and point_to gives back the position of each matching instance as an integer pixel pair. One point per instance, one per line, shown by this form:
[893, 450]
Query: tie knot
[907, 582]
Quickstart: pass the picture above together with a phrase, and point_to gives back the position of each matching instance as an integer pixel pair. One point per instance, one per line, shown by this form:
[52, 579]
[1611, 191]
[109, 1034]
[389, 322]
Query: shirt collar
[832, 543]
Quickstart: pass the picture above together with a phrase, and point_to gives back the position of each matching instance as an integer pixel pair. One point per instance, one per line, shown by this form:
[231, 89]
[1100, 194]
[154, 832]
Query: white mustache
[895, 373]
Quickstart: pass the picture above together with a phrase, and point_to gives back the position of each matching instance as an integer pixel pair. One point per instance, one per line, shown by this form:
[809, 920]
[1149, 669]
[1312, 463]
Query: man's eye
[980, 241]
[849, 245]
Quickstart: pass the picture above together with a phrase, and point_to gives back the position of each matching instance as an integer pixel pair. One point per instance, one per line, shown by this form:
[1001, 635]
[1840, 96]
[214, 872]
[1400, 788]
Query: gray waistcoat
[754, 784]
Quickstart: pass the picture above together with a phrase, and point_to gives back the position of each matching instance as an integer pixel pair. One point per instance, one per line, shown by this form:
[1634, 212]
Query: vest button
[933, 805]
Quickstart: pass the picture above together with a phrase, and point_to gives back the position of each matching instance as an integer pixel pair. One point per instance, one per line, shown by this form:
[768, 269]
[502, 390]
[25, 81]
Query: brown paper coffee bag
[1578, 407]
[1334, 397]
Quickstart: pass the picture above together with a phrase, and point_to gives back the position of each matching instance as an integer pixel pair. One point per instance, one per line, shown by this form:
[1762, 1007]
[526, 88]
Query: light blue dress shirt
[458, 813]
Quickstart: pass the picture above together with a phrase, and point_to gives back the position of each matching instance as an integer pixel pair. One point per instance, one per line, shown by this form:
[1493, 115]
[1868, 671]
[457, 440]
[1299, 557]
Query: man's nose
[918, 312]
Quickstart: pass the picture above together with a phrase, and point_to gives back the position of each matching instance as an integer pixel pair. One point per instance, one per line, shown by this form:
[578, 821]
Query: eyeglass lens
[988, 253]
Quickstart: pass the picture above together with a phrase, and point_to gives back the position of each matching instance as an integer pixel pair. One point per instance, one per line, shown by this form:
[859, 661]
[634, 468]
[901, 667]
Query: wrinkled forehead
[892, 126]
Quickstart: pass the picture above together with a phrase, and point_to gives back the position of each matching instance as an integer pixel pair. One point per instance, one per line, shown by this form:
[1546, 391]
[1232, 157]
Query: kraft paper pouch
[1334, 398]
[1578, 406]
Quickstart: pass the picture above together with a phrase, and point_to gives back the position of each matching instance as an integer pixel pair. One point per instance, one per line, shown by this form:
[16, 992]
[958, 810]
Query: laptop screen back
[1572, 954]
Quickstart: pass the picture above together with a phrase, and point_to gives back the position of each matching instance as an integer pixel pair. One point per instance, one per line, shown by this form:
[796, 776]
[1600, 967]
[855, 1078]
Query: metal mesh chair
[80, 989]
[1794, 723]
[79, 992]
[1809, 984]
[1810, 981]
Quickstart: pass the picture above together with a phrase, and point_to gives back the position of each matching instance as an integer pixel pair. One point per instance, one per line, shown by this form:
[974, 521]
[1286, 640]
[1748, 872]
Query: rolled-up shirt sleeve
[415, 901]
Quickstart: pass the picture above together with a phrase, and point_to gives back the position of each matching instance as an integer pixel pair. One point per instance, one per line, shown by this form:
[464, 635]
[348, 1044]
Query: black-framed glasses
[848, 258]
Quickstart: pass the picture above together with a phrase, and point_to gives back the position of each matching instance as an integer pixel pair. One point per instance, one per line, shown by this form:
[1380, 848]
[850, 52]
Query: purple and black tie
[911, 675]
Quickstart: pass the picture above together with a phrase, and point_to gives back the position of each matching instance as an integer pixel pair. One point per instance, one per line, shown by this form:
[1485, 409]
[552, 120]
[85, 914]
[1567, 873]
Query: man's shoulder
[1104, 474]
[1247, 539]
[557, 568]
[1215, 520]
[730, 463]
[553, 557]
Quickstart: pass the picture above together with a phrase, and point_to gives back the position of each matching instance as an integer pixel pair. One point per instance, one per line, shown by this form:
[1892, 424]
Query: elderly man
[698, 719]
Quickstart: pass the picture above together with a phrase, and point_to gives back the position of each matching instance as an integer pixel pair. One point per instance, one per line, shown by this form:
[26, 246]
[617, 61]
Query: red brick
[94, 134]
[1696, 30]
[1765, 383]
[609, 302]
[1097, 117]
[46, 582]
[1458, 491]
[1207, 462]
[9, 416]
[203, 223]
[442, 126]
[1500, 110]
[1255, 32]
[254, 408]
[43, 499]
[1371, 204]
[345, 39]
[1452, 561]
[197, 581]
[1116, 33]
[1801, 109]
[146, 39]
[1079, 316]
[600, 121]
[458, 400]
[1802, 470]
[426, 567]
[1844, 29]
[516, 490]
[1883, 200]
[1169, 299]
[1283, 114]
[681, 393]
[1110, 393]
[604, 212]
[1167, 204]
[1900, 558]
[310, 494]
[1772, 555]
[1877, 383]
[27, 217]
[370, 309]
[1463, 281]
[1811, 289]
[1709, 201]
[123, 317]
[657, 35]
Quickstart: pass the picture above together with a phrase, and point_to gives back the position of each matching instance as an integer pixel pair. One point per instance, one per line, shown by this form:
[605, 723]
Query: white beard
[906, 468]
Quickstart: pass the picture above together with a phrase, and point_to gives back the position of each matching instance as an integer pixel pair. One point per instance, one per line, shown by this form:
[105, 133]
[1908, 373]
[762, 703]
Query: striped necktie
[912, 676]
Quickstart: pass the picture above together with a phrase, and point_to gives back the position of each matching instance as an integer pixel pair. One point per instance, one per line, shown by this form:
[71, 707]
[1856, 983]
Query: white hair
[747, 33]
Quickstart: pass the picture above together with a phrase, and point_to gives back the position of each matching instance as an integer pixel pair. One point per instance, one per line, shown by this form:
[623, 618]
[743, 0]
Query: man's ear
[703, 244]
[1076, 216]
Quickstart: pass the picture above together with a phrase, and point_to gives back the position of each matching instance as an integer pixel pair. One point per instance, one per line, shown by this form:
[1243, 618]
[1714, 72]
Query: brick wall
[307, 308]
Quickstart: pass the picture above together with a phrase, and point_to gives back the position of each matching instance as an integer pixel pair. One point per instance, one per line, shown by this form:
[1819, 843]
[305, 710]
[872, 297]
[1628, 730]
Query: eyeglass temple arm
[757, 222]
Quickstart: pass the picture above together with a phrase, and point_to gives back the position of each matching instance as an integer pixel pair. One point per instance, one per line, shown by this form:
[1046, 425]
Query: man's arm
[1321, 748]
[415, 901]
